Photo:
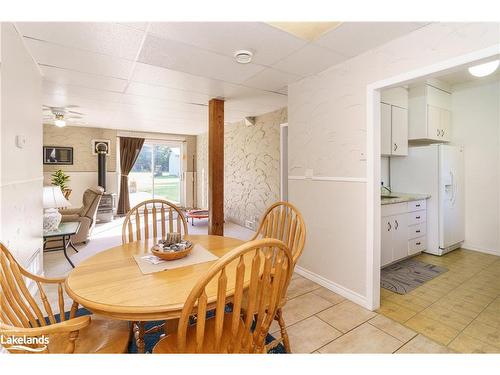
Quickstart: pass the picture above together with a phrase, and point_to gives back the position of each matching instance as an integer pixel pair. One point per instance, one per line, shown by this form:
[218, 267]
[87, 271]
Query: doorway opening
[373, 245]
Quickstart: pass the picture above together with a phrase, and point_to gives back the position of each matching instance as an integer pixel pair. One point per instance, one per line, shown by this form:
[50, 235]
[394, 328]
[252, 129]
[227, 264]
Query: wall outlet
[250, 224]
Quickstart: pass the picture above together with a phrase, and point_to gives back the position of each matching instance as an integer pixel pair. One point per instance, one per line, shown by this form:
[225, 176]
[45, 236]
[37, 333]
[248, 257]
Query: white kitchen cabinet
[394, 130]
[403, 229]
[429, 114]
[385, 129]
[399, 122]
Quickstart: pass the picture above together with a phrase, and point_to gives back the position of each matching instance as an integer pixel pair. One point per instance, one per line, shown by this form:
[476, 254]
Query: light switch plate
[20, 141]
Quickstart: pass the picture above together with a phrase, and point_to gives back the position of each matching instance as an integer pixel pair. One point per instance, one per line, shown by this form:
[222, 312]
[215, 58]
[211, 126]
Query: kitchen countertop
[402, 197]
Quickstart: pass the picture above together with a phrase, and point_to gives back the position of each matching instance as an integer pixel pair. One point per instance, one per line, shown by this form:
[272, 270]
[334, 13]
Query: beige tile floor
[320, 321]
[459, 309]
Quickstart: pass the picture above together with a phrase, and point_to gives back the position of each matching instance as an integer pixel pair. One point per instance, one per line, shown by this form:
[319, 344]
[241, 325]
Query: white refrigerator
[437, 170]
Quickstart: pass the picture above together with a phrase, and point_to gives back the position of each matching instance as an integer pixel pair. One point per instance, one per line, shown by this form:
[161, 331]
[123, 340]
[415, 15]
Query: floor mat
[404, 276]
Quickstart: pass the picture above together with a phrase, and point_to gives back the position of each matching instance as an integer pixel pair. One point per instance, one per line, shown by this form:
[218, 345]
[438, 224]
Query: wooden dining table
[111, 284]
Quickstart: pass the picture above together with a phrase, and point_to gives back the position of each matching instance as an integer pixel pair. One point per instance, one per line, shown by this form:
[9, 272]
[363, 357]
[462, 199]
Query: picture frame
[57, 155]
[95, 142]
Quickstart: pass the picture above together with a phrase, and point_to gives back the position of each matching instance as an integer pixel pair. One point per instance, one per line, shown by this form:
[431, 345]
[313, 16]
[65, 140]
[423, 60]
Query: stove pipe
[102, 150]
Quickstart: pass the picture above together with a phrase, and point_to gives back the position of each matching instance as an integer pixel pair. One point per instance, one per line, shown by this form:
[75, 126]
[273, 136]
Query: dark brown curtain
[129, 151]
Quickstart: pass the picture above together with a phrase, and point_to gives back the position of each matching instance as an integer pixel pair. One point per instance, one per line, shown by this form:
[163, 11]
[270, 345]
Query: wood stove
[107, 204]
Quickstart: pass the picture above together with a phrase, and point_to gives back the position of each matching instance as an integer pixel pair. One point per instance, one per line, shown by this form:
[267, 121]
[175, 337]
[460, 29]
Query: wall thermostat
[20, 141]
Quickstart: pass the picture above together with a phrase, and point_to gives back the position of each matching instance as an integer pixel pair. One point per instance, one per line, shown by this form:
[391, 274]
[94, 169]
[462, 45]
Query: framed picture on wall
[57, 155]
[95, 142]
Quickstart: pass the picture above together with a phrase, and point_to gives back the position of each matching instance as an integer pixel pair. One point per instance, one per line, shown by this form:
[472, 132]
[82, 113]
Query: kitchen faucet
[385, 187]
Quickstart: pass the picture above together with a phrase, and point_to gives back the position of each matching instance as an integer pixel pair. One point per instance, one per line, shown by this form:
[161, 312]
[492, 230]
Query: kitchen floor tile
[449, 317]
[433, 329]
[395, 312]
[467, 344]
[483, 332]
[299, 286]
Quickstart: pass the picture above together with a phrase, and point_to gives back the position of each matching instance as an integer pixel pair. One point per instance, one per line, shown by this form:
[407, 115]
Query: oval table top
[111, 284]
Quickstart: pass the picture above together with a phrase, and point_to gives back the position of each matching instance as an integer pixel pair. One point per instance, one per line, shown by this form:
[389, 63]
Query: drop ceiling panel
[161, 92]
[268, 43]
[353, 38]
[77, 60]
[309, 60]
[103, 37]
[182, 57]
[271, 79]
[70, 77]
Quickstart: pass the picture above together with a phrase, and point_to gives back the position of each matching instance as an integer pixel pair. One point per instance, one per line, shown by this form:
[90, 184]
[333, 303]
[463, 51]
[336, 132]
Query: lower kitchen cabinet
[402, 230]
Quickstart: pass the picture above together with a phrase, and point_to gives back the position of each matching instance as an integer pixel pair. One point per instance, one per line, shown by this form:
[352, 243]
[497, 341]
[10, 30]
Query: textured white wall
[21, 170]
[327, 134]
[476, 126]
[251, 167]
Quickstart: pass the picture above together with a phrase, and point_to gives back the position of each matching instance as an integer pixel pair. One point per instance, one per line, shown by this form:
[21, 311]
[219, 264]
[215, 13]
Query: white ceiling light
[243, 56]
[59, 120]
[483, 70]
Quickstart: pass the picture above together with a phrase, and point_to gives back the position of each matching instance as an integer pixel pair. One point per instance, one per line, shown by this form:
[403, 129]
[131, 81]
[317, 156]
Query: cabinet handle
[417, 205]
[397, 224]
[390, 227]
[418, 243]
[437, 131]
[417, 217]
[417, 231]
[395, 146]
[443, 132]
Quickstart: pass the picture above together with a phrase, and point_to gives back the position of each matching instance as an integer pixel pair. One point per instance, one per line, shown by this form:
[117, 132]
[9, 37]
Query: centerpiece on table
[172, 247]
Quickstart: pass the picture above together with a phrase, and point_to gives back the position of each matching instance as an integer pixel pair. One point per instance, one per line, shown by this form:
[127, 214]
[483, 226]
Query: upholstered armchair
[86, 214]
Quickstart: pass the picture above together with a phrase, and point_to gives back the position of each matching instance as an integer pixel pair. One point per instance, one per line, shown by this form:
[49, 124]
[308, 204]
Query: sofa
[86, 214]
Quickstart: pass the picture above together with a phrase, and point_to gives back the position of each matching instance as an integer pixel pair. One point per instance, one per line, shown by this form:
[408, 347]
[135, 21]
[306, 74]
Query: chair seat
[168, 344]
[101, 336]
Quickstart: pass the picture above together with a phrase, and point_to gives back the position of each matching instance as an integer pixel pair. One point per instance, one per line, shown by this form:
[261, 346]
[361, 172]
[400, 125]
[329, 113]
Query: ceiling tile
[268, 43]
[136, 88]
[309, 31]
[309, 60]
[102, 37]
[182, 57]
[82, 61]
[353, 38]
[69, 77]
[271, 79]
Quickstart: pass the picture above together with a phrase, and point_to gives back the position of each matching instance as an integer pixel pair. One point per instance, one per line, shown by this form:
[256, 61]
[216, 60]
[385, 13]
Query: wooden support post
[216, 167]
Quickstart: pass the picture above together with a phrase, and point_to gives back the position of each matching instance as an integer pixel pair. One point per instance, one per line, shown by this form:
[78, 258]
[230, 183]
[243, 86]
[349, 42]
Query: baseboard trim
[467, 246]
[330, 285]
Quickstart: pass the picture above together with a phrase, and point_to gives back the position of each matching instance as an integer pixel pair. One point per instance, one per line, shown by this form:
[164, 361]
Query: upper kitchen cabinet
[394, 122]
[429, 113]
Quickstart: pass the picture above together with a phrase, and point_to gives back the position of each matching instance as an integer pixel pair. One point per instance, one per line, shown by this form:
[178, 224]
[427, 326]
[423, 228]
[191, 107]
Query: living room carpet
[404, 276]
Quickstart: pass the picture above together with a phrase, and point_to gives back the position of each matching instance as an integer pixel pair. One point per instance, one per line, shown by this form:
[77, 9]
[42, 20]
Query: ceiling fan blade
[76, 113]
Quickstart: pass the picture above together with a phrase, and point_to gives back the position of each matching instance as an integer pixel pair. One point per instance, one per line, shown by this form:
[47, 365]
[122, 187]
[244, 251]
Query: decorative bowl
[168, 254]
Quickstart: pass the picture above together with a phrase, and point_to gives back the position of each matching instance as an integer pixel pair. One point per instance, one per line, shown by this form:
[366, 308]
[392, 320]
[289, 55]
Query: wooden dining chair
[149, 219]
[21, 315]
[261, 269]
[283, 221]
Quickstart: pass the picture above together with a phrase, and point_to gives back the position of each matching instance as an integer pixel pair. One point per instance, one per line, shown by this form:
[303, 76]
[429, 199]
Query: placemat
[198, 255]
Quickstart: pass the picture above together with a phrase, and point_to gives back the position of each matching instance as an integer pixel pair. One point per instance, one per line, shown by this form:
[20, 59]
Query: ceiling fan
[61, 114]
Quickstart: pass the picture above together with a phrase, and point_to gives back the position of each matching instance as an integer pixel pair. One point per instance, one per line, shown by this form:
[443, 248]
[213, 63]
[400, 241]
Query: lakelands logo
[22, 342]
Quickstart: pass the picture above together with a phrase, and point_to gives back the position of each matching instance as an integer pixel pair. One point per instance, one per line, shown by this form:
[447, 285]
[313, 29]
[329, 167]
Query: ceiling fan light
[243, 56]
[485, 69]
[60, 123]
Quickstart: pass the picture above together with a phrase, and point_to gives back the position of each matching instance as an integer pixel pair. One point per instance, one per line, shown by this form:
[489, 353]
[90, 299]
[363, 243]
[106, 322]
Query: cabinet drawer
[394, 209]
[417, 205]
[416, 245]
[416, 217]
[417, 230]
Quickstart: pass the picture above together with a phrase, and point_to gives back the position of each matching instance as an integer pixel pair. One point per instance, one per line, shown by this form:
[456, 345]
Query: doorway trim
[373, 211]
